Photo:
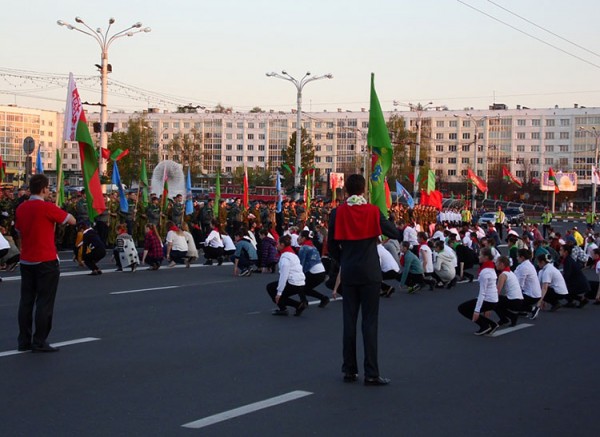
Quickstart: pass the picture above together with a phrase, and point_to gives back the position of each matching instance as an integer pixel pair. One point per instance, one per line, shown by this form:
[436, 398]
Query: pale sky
[208, 52]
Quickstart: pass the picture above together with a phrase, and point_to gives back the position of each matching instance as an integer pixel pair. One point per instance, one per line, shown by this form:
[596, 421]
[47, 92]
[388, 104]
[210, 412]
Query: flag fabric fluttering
[245, 200]
[76, 129]
[189, 202]
[144, 183]
[388, 195]
[165, 193]
[60, 180]
[552, 178]
[402, 192]
[378, 140]
[477, 181]
[432, 199]
[307, 191]
[278, 189]
[2, 170]
[430, 181]
[217, 194]
[116, 155]
[39, 167]
[595, 175]
[508, 177]
[333, 188]
[116, 180]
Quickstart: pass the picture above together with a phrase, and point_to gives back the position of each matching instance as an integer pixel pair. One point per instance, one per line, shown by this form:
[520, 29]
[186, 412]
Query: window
[549, 161]
[228, 158]
[228, 147]
[549, 135]
[453, 123]
[261, 136]
[452, 148]
[466, 136]
[261, 147]
[565, 122]
[439, 172]
[229, 125]
[439, 136]
[250, 125]
[520, 148]
[240, 125]
[466, 148]
[439, 123]
[535, 135]
[165, 136]
[197, 125]
[250, 146]
[328, 159]
[176, 125]
[521, 122]
[229, 136]
[563, 148]
[536, 122]
[73, 156]
[520, 161]
[465, 160]
[451, 160]
[535, 148]
[329, 135]
[563, 162]
[261, 159]
[240, 147]
[251, 136]
[451, 172]
[564, 135]
[186, 124]
[550, 122]
[464, 173]
[534, 160]
[239, 158]
[239, 136]
[439, 160]
[520, 135]
[165, 125]
[251, 159]
[549, 148]
[452, 136]
[466, 123]
[439, 148]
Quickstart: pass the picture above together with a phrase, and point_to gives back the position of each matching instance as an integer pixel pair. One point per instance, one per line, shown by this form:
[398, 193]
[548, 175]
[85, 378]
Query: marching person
[40, 272]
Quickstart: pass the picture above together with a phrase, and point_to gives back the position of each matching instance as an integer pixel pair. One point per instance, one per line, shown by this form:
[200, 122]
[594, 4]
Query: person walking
[40, 272]
[354, 230]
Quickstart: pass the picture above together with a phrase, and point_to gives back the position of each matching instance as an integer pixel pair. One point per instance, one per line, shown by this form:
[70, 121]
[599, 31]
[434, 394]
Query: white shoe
[172, 264]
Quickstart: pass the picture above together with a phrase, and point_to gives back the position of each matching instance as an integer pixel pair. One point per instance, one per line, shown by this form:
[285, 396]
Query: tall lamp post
[596, 135]
[299, 84]
[476, 121]
[418, 109]
[104, 40]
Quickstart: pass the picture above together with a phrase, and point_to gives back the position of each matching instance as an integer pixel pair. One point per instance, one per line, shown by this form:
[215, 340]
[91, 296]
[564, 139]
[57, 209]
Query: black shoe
[583, 302]
[534, 312]
[219, 260]
[94, 273]
[493, 329]
[555, 307]
[24, 348]
[377, 381]
[324, 302]
[208, 262]
[391, 290]
[45, 348]
[300, 309]
[570, 305]
[118, 269]
[514, 317]
[350, 377]
[483, 331]
[280, 312]
[503, 322]
[452, 283]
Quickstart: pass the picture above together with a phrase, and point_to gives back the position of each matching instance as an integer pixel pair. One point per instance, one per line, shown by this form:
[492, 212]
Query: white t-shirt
[511, 289]
[4, 244]
[213, 239]
[178, 241]
[487, 288]
[386, 260]
[550, 275]
[452, 254]
[410, 235]
[227, 242]
[528, 279]
[426, 254]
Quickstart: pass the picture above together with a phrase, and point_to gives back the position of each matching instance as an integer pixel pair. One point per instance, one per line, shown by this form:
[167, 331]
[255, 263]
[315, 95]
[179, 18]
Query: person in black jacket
[577, 284]
[354, 230]
[93, 248]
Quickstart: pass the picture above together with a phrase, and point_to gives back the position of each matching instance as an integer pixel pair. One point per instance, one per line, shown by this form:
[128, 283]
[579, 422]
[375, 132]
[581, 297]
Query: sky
[208, 52]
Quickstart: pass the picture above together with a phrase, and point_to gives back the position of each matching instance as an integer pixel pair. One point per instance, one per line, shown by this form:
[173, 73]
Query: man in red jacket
[40, 271]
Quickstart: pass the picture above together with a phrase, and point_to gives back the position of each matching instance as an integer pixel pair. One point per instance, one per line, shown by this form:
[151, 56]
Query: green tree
[256, 109]
[186, 150]
[139, 139]
[257, 176]
[307, 156]
[220, 109]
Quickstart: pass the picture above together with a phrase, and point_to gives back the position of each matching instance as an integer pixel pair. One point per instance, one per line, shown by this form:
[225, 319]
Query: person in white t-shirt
[529, 282]
[389, 269]
[510, 296]
[554, 287]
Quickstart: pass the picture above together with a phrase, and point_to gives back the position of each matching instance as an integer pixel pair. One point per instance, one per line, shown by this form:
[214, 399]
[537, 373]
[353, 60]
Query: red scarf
[287, 249]
[174, 228]
[507, 269]
[122, 231]
[308, 242]
[357, 222]
[487, 265]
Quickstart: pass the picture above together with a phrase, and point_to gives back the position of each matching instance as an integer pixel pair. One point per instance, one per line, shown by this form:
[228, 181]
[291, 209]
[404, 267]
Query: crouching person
[291, 280]
[245, 257]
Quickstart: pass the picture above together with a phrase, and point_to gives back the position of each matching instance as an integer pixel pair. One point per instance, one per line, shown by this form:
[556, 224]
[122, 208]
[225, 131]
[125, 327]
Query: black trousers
[39, 283]
[529, 302]
[363, 298]
[90, 259]
[390, 274]
[213, 252]
[312, 281]
[500, 229]
[289, 290]
[468, 308]
[102, 230]
[505, 305]
[552, 297]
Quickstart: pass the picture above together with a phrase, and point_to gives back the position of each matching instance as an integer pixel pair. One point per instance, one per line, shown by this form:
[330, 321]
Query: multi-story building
[526, 141]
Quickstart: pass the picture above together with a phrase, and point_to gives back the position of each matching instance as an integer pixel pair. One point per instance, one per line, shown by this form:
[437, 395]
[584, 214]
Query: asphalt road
[180, 345]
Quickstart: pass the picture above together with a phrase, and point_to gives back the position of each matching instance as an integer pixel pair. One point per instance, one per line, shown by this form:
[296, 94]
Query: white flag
[72, 111]
[595, 175]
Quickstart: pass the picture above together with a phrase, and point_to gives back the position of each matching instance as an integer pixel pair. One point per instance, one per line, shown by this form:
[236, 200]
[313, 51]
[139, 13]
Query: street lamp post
[299, 84]
[104, 40]
[476, 121]
[596, 135]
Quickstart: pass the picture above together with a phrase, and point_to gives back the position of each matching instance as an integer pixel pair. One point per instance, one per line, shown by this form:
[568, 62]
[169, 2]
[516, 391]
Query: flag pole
[553, 201]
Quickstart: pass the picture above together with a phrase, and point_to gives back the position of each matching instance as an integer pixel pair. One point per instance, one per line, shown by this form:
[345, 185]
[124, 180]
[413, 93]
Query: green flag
[378, 140]
[144, 183]
[217, 194]
[430, 181]
[60, 180]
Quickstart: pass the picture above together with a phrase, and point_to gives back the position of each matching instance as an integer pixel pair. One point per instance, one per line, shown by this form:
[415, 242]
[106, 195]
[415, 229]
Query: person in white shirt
[510, 296]
[410, 235]
[589, 250]
[444, 266]
[554, 287]
[439, 233]
[213, 245]
[177, 246]
[192, 252]
[228, 245]
[529, 282]
[291, 280]
[487, 300]
[389, 269]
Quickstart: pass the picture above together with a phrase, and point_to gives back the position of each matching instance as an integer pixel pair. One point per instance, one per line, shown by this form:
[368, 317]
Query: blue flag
[39, 168]
[278, 189]
[401, 191]
[116, 180]
[189, 203]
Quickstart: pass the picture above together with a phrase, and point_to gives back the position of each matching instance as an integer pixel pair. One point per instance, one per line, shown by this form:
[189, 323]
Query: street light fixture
[476, 121]
[299, 84]
[596, 135]
[418, 108]
[104, 40]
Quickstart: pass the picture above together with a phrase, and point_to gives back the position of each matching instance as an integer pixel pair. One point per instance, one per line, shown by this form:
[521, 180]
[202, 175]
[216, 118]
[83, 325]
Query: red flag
[388, 195]
[245, 200]
[552, 178]
[477, 181]
[432, 199]
[105, 153]
[508, 177]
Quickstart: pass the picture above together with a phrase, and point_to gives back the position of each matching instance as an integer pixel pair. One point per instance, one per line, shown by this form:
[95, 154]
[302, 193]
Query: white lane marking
[139, 290]
[511, 329]
[59, 344]
[250, 408]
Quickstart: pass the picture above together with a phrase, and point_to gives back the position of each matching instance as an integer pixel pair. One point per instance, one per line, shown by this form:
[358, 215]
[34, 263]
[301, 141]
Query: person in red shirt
[40, 270]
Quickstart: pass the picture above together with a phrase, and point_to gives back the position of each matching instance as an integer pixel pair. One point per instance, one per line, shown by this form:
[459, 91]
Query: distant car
[487, 217]
[515, 216]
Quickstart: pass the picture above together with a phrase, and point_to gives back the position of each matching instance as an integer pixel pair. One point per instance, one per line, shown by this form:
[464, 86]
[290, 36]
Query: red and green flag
[552, 178]
[477, 181]
[430, 182]
[245, 200]
[378, 140]
[60, 180]
[165, 193]
[144, 183]
[508, 177]
[2, 170]
[76, 129]
[115, 155]
[217, 194]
